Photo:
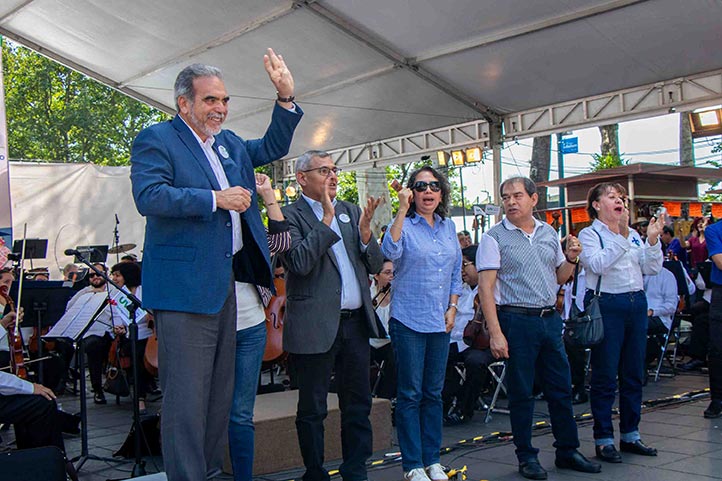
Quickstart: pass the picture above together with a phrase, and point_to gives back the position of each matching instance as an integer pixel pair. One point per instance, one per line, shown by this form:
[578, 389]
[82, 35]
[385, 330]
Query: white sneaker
[416, 474]
[436, 473]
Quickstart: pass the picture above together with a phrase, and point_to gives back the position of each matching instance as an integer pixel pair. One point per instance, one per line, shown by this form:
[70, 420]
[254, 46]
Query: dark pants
[536, 342]
[715, 341]
[620, 354]
[699, 337]
[466, 392]
[96, 350]
[656, 331]
[578, 366]
[36, 420]
[349, 359]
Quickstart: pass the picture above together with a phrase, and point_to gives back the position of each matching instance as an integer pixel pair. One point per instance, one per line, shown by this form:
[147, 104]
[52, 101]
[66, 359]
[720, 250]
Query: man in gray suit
[329, 315]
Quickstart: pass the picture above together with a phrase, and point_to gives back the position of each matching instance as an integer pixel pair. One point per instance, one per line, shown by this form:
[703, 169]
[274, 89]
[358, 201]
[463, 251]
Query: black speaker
[37, 464]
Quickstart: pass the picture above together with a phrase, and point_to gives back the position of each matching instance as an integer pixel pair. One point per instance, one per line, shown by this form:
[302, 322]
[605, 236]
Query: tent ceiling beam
[85, 71]
[411, 65]
[485, 40]
[211, 44]
[659, 98]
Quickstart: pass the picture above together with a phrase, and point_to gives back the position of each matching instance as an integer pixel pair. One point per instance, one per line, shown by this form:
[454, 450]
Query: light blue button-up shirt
[427, 265]
[350, 290]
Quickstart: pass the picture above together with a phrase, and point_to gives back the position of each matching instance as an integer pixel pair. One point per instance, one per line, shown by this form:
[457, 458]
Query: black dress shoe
[99, 398]
[714, 410]
[693, 365]
[637, 447]
[577, 462]
[532, 470]
[608, 454]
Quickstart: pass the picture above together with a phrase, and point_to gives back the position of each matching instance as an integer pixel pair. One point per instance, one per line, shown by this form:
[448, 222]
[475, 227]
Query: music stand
[95, 254]
[34, 249]
[45, 301]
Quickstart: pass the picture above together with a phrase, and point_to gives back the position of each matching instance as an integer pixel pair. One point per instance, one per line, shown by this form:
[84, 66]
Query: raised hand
[655, 228]
[364, 222]
[574, 248]
[328, 209]
[279, 74]
[264, 188]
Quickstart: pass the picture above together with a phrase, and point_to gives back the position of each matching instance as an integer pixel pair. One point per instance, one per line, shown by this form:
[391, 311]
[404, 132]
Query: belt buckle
[545, 311]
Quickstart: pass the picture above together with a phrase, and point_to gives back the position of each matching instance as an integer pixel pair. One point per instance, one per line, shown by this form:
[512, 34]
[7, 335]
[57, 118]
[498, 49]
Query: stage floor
[690, 447]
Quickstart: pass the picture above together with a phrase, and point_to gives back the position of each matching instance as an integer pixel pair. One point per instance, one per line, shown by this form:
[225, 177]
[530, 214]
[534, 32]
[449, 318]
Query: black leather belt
[528, 311]
[350, 312]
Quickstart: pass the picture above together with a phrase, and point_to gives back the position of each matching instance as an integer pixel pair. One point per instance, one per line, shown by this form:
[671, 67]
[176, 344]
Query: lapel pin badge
[344, 218]
[222, 150]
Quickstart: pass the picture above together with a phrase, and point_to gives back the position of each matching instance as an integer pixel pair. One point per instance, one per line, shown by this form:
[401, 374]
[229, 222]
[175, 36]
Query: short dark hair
[668, 230]
[443, 208]
[596, 192]
[130, 272]
[529, 185]
[463, 232]
[470, 252]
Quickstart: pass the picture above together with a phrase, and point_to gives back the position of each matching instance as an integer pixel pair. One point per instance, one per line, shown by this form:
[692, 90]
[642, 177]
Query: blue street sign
[570, 145]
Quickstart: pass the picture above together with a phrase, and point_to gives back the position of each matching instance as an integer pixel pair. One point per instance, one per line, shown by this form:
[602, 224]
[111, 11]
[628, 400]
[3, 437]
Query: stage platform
[690, 447]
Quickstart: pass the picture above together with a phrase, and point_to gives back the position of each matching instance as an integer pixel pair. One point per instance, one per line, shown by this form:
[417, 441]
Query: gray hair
[304, 160]
[529, 185]
[184, 81]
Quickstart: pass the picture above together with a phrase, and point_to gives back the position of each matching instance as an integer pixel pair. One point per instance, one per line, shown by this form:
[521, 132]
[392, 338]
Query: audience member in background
[714, 247]
[698, 346]
[381, 350]
[641, 227]
[672, 247]
[521, 265]
[464, 238]
[662, 302]
[127, 276]
[427, 284]
[468, 390]
[616, 253]
[696, 243]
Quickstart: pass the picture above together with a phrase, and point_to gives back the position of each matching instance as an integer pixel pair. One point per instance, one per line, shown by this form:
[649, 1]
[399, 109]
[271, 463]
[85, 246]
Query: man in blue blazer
[195, 185]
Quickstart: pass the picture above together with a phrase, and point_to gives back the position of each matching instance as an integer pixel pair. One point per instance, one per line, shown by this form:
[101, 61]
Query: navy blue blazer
[187, 256]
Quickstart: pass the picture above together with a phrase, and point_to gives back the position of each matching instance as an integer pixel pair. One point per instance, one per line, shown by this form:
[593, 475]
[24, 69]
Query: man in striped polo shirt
[521, 264]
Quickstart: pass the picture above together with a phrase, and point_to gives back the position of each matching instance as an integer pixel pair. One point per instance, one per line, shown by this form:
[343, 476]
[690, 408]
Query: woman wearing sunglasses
[423, 246]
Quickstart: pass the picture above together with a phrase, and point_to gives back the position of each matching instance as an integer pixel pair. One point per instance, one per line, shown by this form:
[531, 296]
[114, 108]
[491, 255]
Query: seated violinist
[127, 276]
[31, 407]
[7, 319]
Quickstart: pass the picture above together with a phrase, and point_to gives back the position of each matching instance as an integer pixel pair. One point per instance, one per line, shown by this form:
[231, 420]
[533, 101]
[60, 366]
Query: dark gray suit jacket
[313, 280]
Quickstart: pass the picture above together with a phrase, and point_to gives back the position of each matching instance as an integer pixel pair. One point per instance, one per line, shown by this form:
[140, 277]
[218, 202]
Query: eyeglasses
[93, 274]
[466, 263]
[325, 171]
[421, 186]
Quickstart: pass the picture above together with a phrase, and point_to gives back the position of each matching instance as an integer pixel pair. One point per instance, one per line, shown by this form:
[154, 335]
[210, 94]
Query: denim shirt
[427, 270]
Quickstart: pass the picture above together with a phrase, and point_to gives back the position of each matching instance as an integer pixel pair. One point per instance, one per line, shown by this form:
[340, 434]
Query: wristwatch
[454, 305]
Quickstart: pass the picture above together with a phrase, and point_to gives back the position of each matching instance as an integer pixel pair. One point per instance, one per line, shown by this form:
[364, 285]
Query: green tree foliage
[607, 161]
[55, 114]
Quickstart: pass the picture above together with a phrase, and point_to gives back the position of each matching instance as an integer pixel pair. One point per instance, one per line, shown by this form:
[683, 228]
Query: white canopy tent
[374, 69]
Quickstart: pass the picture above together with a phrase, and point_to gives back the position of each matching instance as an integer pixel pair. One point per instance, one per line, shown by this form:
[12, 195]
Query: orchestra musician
[7, 319]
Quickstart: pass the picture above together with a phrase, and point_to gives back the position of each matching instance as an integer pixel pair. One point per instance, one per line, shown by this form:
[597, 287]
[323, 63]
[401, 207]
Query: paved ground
[690, 446]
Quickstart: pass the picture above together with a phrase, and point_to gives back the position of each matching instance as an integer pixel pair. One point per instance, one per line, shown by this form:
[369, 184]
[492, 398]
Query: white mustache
[216, 116]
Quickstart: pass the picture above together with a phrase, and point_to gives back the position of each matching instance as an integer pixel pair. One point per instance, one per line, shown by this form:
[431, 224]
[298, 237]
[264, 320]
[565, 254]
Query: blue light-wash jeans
[421, 368]
[250, 344]
[620, 354]
[536, 343]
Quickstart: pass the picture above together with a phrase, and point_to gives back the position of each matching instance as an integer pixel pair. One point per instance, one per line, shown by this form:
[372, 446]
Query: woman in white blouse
[620, 257]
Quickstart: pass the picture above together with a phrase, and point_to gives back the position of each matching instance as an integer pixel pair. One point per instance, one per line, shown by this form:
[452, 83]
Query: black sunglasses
[93, 274]
[421, 186]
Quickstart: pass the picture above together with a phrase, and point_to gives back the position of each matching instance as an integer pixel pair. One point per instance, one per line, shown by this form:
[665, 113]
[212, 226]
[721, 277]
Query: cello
[275, 314]
[150, 358]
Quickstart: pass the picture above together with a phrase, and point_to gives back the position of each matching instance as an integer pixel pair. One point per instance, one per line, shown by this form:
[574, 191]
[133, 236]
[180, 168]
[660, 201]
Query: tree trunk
[610, 139]
[686, 146]
[540, 164]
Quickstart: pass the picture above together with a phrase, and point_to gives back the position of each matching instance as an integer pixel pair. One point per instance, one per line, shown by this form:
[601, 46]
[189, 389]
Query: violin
[33, 341]
[15, 340]
[275, 315]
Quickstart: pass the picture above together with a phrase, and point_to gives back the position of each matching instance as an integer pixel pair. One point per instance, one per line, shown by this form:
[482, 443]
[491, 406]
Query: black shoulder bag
[585, 328]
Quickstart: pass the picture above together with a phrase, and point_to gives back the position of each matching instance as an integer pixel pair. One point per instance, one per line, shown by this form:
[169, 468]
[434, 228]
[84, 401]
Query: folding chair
[672, 333]
[498, 372]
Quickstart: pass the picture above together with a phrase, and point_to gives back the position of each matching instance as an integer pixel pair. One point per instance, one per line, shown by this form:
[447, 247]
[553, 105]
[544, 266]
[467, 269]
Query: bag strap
[599, 279]
[574, 285]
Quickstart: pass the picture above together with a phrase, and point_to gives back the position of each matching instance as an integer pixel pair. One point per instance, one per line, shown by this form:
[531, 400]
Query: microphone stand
[116, 239]
[139, 466]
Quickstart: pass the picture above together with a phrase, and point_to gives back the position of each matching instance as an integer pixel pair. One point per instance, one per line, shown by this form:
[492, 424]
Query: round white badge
[222, 150]
[344, 218]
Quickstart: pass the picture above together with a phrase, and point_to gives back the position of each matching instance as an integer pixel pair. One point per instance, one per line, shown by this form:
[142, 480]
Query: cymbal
[121, 248]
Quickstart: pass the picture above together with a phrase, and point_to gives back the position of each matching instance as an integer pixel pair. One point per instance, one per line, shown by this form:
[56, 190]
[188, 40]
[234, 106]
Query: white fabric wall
[71, 205]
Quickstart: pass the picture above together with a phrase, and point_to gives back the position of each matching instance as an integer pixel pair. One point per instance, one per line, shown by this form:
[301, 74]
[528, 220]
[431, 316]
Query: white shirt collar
[209, 141]
[315, 203]
[509, 226]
